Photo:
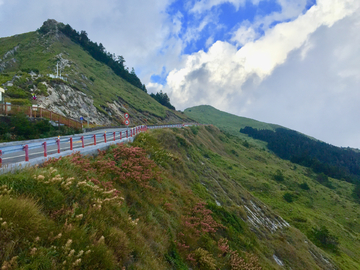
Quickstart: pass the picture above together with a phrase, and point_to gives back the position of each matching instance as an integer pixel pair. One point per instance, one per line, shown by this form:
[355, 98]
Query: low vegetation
[19, 127]
[323, 158]
[175, 199]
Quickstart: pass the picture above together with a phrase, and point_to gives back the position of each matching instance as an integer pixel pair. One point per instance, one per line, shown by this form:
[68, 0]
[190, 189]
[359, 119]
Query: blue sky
[290, 62]
[225, 18]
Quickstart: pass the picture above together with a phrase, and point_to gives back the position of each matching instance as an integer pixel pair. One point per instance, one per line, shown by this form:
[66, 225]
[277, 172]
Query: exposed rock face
[258, 218]
[67, 101]
[8, 59]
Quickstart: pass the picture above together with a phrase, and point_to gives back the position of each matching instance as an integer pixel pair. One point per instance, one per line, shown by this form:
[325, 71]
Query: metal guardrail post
[58, 145]
[45, 149]
[94, 139]
[82, 141]
[127, 134]
[105, 136]
[131, 132]
[71, 143]
[26, 149]
[114, 136]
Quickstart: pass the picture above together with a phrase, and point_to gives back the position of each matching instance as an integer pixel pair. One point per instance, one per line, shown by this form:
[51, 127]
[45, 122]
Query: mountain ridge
[193, 197]
[88, 88]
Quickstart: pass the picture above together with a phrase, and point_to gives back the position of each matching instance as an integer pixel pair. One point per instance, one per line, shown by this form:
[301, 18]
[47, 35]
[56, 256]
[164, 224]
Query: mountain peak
[50, 26]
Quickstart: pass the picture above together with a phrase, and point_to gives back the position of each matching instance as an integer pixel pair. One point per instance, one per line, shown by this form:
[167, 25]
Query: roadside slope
[162, 220]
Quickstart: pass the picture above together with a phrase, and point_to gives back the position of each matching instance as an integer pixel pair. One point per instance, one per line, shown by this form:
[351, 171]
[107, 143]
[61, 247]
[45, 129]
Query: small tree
[322, 238]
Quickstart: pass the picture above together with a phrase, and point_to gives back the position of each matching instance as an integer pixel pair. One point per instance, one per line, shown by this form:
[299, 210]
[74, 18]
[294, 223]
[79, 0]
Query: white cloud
[244, 34]
[209, 41]
[294, 75]
[317, 95]
[154, 87]
[204, 5]
[289, 10]
[222, 67]
[139, 30]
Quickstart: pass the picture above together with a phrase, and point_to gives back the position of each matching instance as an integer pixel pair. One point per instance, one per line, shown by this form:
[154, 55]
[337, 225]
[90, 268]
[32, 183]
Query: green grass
[223, 170]
[230, 123]
[139, 232]
[38, 52]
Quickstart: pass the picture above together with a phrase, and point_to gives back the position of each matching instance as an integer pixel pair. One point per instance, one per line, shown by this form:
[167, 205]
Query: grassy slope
[230, 123]
[253, 168]
[39, 52]
[225, 121]
[196, 163]
[318, 206]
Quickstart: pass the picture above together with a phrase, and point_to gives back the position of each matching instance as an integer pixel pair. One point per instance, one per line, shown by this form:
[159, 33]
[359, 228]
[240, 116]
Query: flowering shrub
[199, 221]
[196, 223]
[123, 164]
[234, 260]
[135, 166]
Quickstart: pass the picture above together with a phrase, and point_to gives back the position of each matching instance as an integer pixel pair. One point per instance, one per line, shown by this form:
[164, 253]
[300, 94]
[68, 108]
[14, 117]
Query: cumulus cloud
[303, 74]
[139, 30]
[317, 95]
[292, 63]
[228, 68]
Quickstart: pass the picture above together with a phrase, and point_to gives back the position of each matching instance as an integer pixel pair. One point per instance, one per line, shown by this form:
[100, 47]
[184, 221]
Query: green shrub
[278, 176]
[20, 127]
[304, 186]
[322, 238]
[324, 180]
[19, 101]
[246, 144]
[194, 129]
[288, 197]
[204, 259]
[42, 89]
[16, 92]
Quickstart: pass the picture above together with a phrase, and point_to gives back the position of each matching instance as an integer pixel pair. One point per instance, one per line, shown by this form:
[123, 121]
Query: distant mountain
[225, 121]
[76, 77]
[336, 162]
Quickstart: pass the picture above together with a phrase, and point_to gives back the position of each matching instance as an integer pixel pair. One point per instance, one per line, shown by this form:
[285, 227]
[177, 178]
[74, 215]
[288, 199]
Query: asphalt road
[18, 156]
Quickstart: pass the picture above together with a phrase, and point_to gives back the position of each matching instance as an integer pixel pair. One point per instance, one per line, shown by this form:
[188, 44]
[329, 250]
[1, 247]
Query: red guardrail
[45, 143]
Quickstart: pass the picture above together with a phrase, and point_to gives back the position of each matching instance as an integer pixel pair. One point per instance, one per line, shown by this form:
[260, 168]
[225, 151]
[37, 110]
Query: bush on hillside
[322, 238]
[288, 197]
[304, 186]
[19, 127]
[278, 176]
[324, 180]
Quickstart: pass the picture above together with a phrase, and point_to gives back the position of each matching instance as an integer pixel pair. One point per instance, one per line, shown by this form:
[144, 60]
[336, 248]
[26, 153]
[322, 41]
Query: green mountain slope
[231, 123]
[109, 93]
[206, 201]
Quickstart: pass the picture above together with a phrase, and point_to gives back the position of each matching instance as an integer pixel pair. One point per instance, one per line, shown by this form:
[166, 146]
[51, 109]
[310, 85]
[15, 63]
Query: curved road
[38, 150]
